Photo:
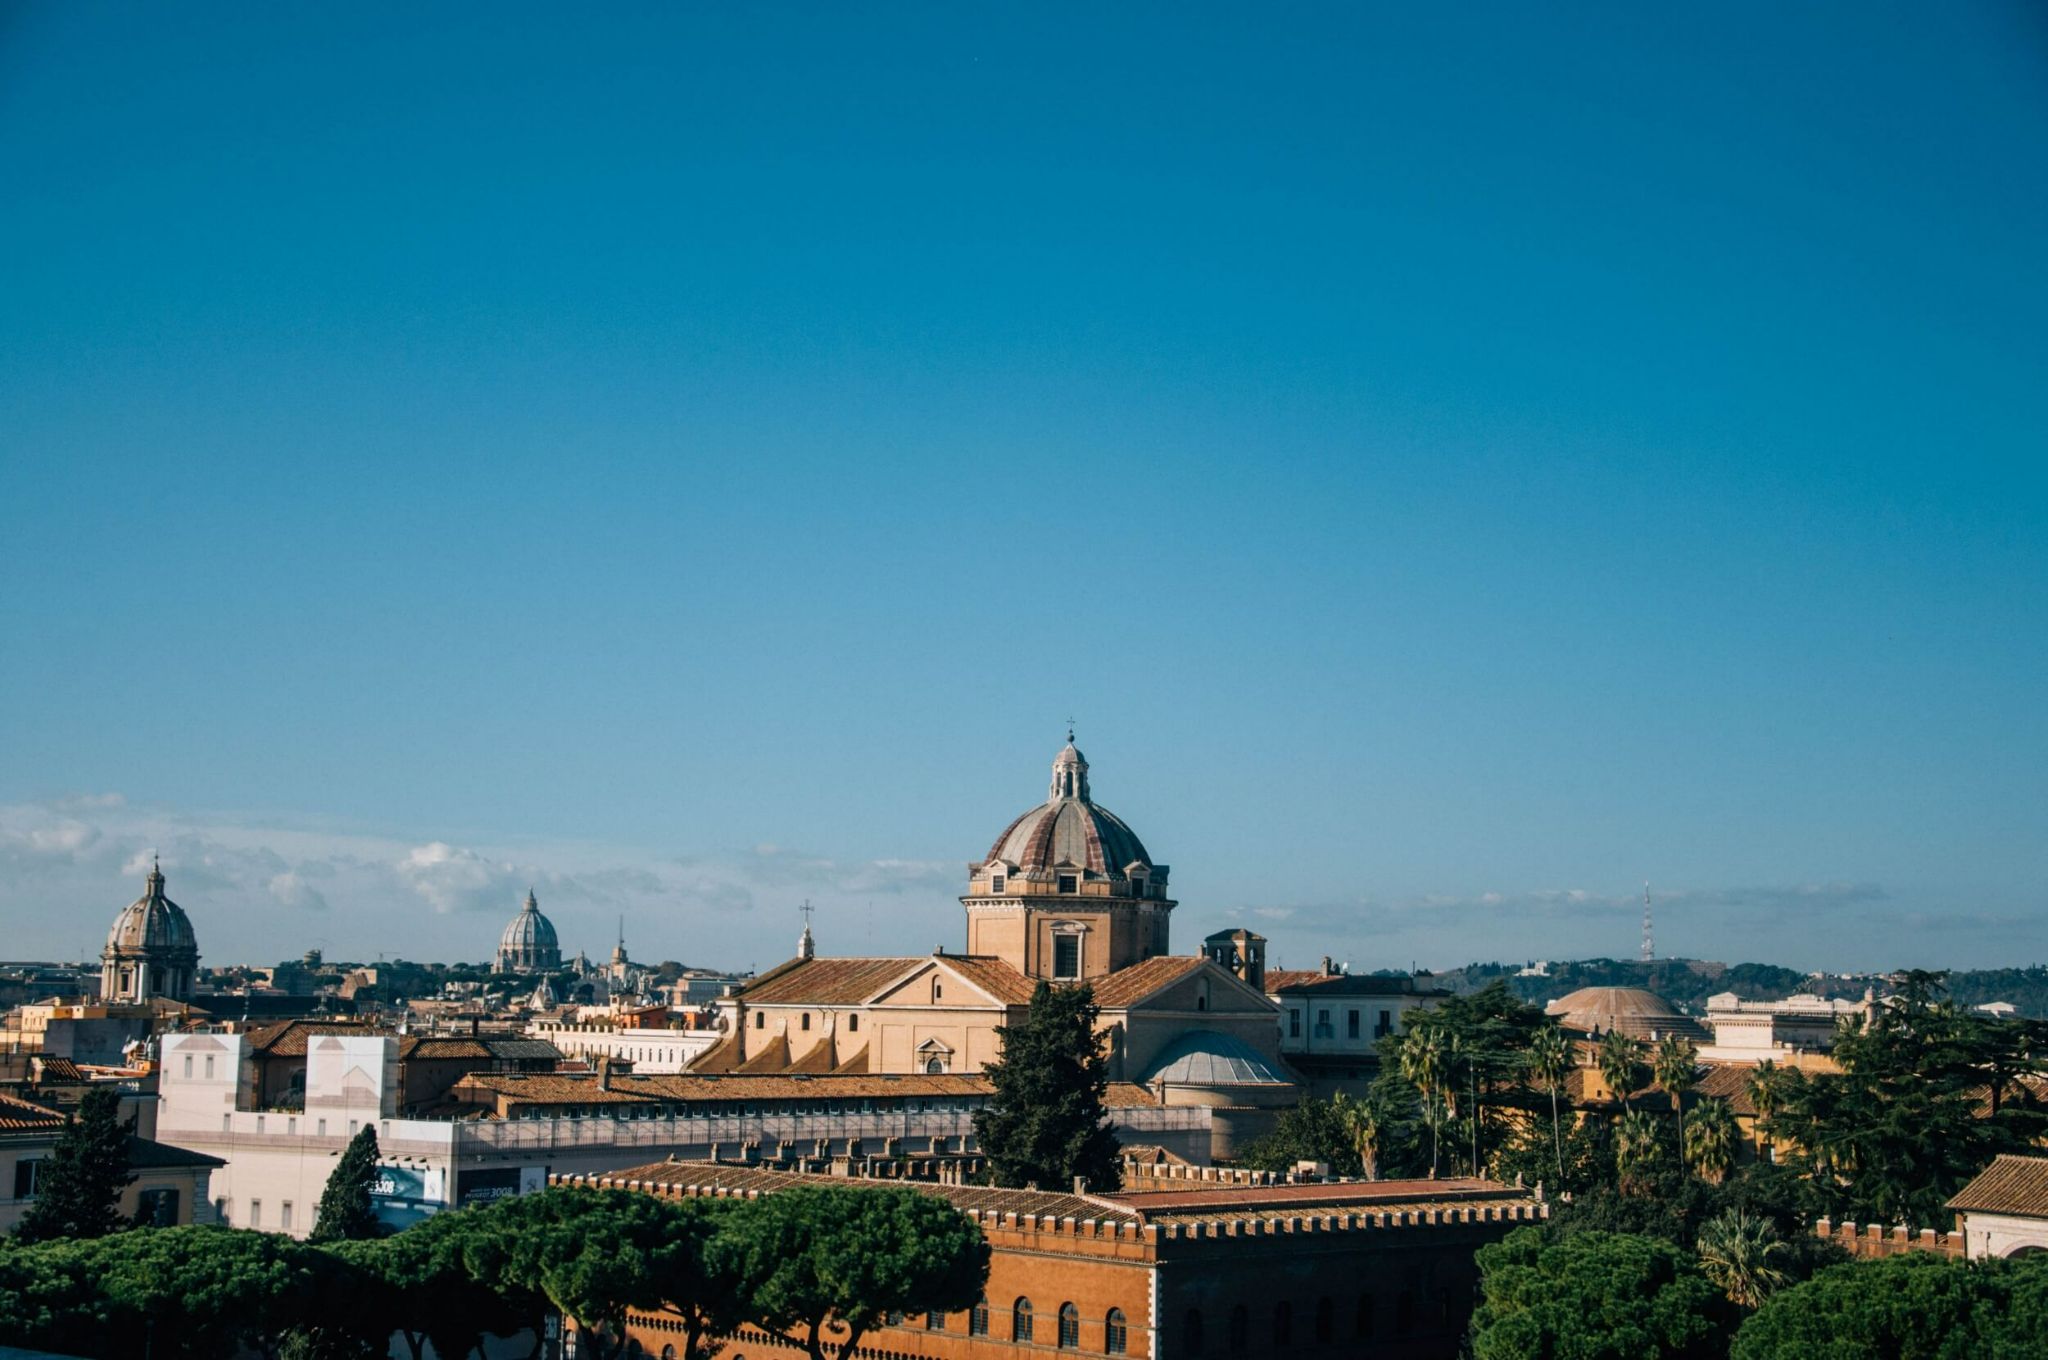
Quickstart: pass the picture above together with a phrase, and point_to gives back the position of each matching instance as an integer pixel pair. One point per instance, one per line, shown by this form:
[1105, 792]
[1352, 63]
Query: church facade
[1066, 895]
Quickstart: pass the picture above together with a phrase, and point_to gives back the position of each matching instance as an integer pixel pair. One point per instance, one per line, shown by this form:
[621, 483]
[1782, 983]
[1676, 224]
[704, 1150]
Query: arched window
[1362, 1323]
[1240, 1330]
[1115, 1336]
[668, 1353]
[977, 1319]
[935, 1067]
[1326, 1319]
[1283, 1323]
[1020, 1320]
[1070, 1326]
[1191, 1332]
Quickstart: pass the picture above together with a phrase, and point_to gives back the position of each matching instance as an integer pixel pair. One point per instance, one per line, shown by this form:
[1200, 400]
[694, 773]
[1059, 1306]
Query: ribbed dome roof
[529, 930]
[153, 923]
[1206, 1057]
[1069, 828]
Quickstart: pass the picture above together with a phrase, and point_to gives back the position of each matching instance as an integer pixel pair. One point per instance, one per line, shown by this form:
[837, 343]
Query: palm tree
[1674, 1067]
[1550, 1062]
[1742, 1256]
[1710, 1140]
[1424, 1063]
[1619, 1058]
[1635, 1144]
[1763, 1088]
[1364, 1121]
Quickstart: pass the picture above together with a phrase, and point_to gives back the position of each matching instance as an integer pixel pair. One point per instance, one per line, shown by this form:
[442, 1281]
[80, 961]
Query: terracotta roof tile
[826, 982]
[2012, 1184]
[1128, 986]
[993, 976]
[25, 1116]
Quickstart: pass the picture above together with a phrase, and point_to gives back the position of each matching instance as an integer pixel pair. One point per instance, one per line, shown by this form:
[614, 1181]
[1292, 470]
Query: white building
[2004, 1210]
[1752, 1031]
[648, 1050]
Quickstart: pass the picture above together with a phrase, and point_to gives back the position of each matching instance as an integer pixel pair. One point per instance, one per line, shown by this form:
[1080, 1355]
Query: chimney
[604, 1071]
[1080, 1185]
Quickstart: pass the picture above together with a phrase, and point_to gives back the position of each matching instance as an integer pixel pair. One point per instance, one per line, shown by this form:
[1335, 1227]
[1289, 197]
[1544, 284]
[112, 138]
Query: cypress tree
[1044, 1124]
[78, 1193]
[345, 1213]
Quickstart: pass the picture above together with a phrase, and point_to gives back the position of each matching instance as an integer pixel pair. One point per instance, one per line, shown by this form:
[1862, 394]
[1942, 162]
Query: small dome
[1634, 1011]
[1206, 1057]
[152, 923]
[1070, 828]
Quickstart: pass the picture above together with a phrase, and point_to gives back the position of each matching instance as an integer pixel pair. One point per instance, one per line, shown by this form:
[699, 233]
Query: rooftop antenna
[1649, 941]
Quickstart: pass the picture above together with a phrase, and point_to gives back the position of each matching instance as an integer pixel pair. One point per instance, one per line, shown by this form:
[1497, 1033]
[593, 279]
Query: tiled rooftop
[2012, 1184]
[1128, 986]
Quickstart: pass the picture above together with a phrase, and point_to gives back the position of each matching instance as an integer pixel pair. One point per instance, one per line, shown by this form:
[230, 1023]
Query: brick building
[1191, 1263]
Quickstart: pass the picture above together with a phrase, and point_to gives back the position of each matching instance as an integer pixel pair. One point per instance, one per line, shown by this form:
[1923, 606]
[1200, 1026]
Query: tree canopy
[814, 1259]
[1595, 1296]
[79, 1185]
[1044, 1123]
[1910, 1305]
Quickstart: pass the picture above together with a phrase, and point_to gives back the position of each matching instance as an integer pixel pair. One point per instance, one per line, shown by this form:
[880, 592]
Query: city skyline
[1453, 466]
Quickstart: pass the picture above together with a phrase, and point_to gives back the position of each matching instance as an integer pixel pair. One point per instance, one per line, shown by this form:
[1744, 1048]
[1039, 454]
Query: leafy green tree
[431, 1296]
[1911, 1305]
[1044, 1123]
[1619, 1058]
[1550, 1058]
[200, 1292]
[1313, 1131]
[48, 1300]
[1594, 1296]
[1909, 1118]
[1763, 1086]
[79, 1185]
[346, 1213]
[1365, 1121]
[1744, 1257]
[1674, 1066]
[817, 1260]
[593, 1254]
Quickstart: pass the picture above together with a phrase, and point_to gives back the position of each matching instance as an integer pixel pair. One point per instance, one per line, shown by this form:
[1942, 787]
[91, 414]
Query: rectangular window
[1386, 1024]
[1066, 956]
[995, 884]
[1294, 1024]
[321, 1128]
[157, 1208]
[25, 1178]
[1351, 1025]
[227, 1123]
[259, 1123]
[255, 1213]
[188, 1067]
[284, 1216]
[291, 1126]
[209, 1067]
[1070, 883]
[806, 1020]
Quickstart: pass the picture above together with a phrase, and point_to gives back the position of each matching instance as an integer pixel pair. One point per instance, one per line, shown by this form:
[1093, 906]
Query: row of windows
[1023, 1325]
[1323, 1323]
[1351, 1024]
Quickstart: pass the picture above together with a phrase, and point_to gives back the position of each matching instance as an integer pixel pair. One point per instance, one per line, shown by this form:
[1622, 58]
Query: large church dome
[1069, 828]
[151, 948]
[529, 944]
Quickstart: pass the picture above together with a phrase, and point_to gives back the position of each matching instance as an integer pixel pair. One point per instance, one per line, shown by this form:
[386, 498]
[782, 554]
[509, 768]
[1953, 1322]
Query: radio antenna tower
[1649, 941]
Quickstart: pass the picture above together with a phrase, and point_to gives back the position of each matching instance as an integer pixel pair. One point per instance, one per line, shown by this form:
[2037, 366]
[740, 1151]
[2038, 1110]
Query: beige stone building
[1067, 894]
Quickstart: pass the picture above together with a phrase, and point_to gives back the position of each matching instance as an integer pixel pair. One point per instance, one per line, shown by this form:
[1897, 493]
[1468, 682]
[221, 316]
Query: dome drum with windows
[151, 949]
[529, 944]
[1067, 886]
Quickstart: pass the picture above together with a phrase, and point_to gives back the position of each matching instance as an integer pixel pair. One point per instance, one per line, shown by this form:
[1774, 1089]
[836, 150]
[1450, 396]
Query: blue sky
[1453, 467]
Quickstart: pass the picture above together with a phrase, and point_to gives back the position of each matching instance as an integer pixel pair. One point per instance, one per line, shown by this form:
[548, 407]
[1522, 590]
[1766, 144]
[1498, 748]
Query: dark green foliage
[1044, 1124]
[428, 1293]
[1312, 1131]
[1908, 1306]
[1530, 1155]
[346, 1214]
[1595, 1296]
[1927, 1096]
[810, 1258]
[78, 1194]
